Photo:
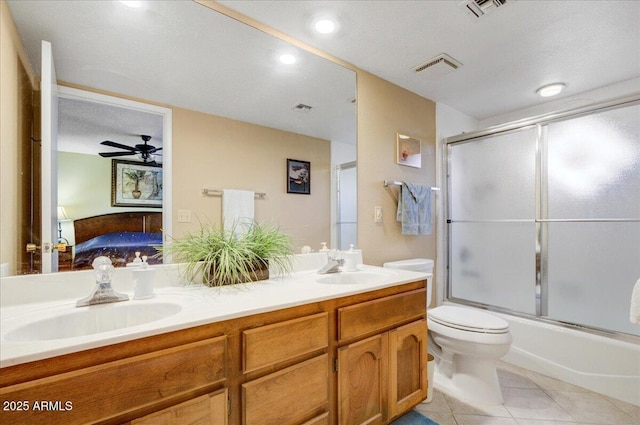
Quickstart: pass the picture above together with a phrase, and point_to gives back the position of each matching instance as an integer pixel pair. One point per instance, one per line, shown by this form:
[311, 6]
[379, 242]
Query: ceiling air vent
[439, 65]
[478, 8]
[301, 107]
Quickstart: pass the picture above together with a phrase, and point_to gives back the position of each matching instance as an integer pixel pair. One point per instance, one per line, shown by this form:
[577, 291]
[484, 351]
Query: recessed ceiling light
[325, 26]
[550, 89]
[131, 3]
[287, 59]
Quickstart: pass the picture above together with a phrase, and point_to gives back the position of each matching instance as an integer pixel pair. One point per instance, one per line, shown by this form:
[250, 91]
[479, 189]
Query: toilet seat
[469, 320]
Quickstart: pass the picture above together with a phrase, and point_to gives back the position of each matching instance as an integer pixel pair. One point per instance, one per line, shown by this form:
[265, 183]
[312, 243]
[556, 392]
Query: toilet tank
[424, 265]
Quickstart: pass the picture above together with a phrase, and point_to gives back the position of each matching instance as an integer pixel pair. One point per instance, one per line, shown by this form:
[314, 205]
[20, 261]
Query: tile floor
[533, 399]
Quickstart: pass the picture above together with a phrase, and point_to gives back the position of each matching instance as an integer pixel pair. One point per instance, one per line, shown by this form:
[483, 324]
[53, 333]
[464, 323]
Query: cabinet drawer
[270, 344]
[288, 396]
[208, 409]
[114, 388]
[381, 314]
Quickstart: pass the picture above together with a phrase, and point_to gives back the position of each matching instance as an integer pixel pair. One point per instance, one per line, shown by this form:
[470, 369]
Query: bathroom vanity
[306, 349]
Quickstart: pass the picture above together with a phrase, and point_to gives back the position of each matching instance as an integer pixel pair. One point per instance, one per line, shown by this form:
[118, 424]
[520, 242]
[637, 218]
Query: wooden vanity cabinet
[384, 375]
[350, 360]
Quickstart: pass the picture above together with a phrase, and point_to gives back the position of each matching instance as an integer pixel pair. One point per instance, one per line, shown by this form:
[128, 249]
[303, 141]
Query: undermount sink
[359, 277]
[92, 320]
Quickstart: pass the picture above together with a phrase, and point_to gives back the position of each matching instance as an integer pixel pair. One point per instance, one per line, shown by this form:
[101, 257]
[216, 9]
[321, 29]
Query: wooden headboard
[90, 227]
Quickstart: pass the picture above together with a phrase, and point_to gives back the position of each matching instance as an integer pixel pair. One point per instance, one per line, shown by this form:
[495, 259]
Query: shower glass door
[544, 220]
[492, 190]
[593, 219]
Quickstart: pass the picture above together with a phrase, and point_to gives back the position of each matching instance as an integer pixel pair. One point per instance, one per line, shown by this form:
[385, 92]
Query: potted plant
[223, 257]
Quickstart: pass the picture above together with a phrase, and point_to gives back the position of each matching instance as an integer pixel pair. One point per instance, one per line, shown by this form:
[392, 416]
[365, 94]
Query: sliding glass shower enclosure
[543, 217]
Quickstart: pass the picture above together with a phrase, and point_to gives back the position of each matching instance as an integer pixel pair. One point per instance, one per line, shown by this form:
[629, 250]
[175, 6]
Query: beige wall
[15, 130]
[219, 153]
[385, 109]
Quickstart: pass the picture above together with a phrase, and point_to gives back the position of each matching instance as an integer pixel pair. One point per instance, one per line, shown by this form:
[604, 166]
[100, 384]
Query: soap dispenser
[324, 247]
[351, 259]
[143, 280]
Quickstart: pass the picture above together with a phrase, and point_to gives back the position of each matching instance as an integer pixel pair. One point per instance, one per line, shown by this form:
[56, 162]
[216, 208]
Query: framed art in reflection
[298, 176]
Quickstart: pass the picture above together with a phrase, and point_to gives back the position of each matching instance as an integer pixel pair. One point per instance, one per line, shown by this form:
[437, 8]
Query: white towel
[237, 210]
[634, 316]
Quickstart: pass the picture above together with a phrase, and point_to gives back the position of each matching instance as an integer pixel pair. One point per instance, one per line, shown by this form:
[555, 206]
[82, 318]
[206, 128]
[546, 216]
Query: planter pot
[260, 272]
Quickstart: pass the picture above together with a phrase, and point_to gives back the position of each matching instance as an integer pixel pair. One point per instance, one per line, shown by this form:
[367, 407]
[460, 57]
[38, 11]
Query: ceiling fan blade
[118, 145]
[110, 154]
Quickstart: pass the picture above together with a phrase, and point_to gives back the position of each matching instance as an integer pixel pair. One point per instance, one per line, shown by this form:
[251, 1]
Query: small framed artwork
[408, 151]
[298, 176]
[136, 184]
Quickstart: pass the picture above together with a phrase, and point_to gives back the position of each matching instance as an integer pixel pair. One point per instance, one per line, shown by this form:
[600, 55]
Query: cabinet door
[362, 378]
[407, 367]
[210, 409]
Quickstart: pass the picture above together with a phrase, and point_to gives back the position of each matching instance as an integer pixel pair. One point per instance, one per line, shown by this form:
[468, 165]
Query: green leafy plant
[226, 258]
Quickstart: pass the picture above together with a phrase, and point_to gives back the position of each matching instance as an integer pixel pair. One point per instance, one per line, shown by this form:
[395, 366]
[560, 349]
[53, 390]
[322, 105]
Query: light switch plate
[184, 216]
[377, 214]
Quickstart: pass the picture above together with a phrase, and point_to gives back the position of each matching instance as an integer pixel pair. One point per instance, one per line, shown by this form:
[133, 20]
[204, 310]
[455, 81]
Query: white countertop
[198, 304]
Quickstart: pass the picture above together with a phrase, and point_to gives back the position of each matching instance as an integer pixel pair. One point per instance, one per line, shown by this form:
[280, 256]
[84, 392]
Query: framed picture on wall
[408, 151]
[298, 176]
[136, 184]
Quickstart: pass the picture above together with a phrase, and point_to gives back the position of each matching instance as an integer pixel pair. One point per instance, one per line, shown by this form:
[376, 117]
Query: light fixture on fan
[143, 151]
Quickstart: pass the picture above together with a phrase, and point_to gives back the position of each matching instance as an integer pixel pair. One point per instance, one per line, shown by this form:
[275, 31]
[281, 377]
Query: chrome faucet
[334, 264]
[103, 292]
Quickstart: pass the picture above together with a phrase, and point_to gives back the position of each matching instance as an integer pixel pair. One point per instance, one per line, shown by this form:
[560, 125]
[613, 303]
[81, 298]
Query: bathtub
[598, 363]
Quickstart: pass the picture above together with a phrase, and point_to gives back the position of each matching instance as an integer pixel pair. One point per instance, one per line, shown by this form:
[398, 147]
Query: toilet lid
[468, 319]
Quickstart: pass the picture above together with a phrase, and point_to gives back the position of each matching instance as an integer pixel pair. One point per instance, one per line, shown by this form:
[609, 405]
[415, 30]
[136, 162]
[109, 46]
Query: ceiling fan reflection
[144, 151]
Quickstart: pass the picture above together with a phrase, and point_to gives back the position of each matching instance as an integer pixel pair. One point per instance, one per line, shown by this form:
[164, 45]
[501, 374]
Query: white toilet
[466, 343]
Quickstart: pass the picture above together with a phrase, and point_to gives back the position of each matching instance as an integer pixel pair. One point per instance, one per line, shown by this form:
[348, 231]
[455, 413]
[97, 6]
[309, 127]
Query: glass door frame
[540, 122]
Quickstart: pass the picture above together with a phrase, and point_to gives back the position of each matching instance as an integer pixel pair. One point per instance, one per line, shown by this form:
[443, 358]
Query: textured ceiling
[183, 54]
[506, 54]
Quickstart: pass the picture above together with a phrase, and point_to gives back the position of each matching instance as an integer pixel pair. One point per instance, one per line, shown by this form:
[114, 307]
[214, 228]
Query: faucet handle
[103, 269]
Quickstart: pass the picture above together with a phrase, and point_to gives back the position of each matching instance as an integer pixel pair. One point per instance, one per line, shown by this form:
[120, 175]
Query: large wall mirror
[237, 112]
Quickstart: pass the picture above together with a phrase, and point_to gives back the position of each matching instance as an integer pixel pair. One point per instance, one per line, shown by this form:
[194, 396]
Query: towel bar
[395, 183]
[218, 192]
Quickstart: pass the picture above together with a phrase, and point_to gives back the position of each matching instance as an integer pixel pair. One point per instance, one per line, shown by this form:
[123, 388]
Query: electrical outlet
[184, 216]
[377, 214]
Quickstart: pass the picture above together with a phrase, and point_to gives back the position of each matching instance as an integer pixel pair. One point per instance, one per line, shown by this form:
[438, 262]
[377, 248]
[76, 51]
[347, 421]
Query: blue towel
[414, 209]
